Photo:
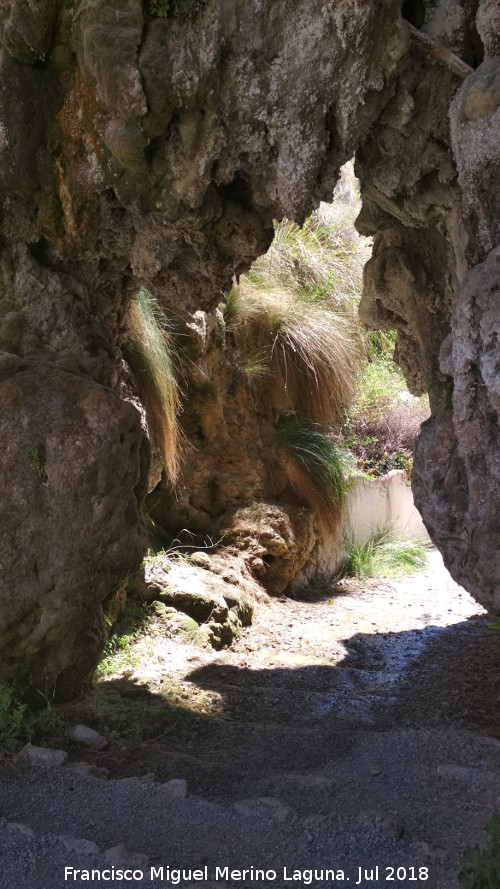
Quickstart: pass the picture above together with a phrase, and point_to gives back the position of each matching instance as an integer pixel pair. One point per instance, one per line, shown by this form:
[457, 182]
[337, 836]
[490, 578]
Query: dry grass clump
[324, 258]
[293, 319]
[312, 350]
[149, 353]
[294, 307]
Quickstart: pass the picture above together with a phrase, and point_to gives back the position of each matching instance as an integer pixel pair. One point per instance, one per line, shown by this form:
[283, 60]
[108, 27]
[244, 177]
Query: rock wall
[434, 211]
[140, 148]
[153, 144]
[463, 488]
[69, 518]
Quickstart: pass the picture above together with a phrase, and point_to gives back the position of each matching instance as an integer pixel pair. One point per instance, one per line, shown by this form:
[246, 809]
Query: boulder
[195, 605]
[68, 513]
[274, 540]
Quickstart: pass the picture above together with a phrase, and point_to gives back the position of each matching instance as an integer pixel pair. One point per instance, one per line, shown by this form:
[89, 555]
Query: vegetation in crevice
[293, 311]
[313, 468]
[180, 10]
[19, 724]
[480, 868]
[149, 352]
[121, 650]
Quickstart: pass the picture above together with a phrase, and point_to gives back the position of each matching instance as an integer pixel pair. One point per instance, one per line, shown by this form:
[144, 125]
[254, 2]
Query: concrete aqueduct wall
[379, 504]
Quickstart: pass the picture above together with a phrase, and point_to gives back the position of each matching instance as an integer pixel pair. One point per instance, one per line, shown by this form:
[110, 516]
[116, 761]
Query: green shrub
[313, 468]
[13, 718]
[119, 651]
[149, 352]
[159, 8]
[384, 556]
[379, 385]
[19, 724]
[384, 419]
[175, 9]
[480, 868]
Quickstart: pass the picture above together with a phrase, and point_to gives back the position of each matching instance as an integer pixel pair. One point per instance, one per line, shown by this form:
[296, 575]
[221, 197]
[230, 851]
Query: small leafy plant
[13, 716]
[120, 651]
[176, 9]
[19, 724]
[36, 460]
[480, 868]
[159, 8]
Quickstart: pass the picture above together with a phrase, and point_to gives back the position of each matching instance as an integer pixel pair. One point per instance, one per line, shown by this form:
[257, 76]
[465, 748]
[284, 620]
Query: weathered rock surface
[68, 515]
[232, 487]
[194, 603]
[275, 540]
[457, 484]
[435, 277]
[228, 441]
[140, 150]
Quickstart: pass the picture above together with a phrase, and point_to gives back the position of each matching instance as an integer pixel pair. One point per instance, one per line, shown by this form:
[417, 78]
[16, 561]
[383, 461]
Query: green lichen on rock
[175, 9]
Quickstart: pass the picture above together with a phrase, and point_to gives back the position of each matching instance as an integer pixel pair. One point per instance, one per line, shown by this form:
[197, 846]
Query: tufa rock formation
[152, 144]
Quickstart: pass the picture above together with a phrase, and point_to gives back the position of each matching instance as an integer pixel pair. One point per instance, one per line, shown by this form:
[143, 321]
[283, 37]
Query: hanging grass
[313, 469]
[149, 353]
[293, 309]
[313, 350]
[384, 556]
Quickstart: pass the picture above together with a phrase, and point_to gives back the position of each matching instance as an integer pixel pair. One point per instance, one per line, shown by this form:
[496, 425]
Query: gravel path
[338, 736]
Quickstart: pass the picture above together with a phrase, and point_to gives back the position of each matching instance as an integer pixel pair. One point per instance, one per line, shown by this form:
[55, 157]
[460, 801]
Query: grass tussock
[294, 307]
[316, 259]
[149, 352]
[385, 556]
[314, 471]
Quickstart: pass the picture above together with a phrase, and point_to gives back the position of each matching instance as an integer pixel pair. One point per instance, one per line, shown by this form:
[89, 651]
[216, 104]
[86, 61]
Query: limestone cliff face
[459, 469]
[153, 144]
[140, 150]
[433, 208]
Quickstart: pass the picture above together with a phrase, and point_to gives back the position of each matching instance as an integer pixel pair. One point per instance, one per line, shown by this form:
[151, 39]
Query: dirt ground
[355, 730]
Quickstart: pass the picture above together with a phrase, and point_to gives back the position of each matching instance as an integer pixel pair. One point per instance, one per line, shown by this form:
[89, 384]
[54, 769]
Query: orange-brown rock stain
[73, 215]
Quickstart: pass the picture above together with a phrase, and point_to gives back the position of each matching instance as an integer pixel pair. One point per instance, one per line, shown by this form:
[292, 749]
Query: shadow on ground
[221, 725]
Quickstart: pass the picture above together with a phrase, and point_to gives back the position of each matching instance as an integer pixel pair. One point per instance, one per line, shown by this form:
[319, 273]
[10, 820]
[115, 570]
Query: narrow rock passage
[355, 731]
